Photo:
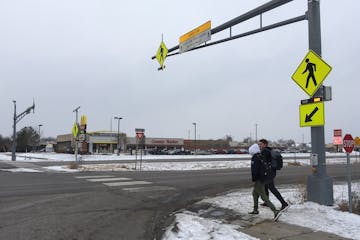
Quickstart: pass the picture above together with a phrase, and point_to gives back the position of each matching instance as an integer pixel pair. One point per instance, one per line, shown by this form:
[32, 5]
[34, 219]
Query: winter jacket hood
[253, 149]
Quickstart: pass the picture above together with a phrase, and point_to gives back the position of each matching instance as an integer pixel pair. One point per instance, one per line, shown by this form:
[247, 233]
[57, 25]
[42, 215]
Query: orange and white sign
[202, 28]
[195, 37]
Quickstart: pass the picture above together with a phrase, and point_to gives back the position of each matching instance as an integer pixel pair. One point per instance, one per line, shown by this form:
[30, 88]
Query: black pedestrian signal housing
[311, 100]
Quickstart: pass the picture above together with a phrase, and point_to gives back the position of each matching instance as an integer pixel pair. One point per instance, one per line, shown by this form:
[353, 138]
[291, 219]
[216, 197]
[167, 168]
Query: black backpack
[276, 160]
[266, 171]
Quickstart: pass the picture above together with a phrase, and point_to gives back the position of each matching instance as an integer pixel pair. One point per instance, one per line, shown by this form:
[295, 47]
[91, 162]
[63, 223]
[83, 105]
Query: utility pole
[76, 110]
[110, 124]
[319, 184]
[194, 123]
[256, 126]
[40, 125]
[17, 119]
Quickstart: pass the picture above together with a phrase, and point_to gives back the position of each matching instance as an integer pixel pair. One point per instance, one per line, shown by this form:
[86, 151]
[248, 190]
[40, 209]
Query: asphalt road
[85, 206]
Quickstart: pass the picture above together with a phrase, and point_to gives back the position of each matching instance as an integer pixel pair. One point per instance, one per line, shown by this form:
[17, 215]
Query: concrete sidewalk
[255, 226]
[269, 229]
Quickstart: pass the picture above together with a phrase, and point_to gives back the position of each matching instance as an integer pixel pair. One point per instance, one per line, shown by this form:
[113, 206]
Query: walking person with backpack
[276, 163]
[260, 178]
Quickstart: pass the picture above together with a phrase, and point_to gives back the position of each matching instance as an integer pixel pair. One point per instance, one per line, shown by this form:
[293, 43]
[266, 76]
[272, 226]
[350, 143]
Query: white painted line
[115, 184]
[30, 170]
[100, 176]
[108, 179]
[149, 189]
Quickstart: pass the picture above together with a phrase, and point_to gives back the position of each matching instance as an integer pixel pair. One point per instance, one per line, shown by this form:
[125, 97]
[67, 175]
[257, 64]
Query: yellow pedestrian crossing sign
[311, 72]
[162, 54]
[75, 130]
[312, 115]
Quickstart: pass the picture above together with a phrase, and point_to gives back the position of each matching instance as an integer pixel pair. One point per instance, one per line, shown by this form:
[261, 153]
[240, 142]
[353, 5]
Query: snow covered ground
[192, 225]
[223, 161]
[306, 214]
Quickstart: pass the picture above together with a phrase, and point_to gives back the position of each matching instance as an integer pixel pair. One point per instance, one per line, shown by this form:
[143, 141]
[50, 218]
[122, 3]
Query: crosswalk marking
[115, 184]
[99, 176]
[127, 184]
[108, 179]
[148, 189]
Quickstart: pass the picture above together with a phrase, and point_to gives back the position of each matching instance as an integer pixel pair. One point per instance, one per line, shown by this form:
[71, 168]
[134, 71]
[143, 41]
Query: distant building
[106, 142]
[64, 143]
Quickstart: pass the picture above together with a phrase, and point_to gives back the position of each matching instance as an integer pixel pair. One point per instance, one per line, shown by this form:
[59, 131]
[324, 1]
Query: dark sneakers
[254, 212]
[277, 214]
[284, 207]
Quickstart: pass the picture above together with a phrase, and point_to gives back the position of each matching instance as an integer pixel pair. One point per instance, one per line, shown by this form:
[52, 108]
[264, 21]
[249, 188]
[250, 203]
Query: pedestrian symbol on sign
[311, 68]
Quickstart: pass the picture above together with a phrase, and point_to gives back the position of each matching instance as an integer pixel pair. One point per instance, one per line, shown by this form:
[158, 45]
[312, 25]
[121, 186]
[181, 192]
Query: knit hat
[253, 149]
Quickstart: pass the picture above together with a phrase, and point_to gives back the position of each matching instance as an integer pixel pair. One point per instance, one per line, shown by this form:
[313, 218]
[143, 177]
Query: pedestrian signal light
[311, 100]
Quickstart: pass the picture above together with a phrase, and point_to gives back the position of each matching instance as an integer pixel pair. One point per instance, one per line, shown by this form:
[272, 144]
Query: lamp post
[194, 123]
[40, 125]
[13, 147]
[256, 127]
[118, 134]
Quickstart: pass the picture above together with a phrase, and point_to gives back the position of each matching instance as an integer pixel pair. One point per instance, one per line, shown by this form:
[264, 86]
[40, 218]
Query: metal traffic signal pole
[319, 184]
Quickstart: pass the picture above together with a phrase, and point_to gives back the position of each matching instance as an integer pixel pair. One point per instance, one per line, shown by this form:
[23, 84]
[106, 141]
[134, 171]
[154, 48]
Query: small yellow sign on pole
[357, 141]
[162, 54]
[312, 115]
[311, 72]
[75, 130]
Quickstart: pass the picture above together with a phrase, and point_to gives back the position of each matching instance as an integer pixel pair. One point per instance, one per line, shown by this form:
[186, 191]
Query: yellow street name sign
[195, 37]
[202, 28]
[311, 72]
[312, 115]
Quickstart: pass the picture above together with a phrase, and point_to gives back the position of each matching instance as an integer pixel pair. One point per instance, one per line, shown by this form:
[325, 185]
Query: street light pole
[40, 125]
[13, 148]
[118, 134]
[194, 123]
[76, 110]
[256, 127]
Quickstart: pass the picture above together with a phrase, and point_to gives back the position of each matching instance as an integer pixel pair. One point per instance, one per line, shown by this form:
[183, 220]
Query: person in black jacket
[259, 179]
[266, 152]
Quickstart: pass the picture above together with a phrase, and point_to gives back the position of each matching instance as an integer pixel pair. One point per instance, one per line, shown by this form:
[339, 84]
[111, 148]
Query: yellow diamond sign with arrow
[311, 72]
[312, 114]
[162, 54]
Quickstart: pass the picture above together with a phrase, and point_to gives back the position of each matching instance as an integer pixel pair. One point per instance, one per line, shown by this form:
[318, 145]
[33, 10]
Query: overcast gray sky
[97, 54]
